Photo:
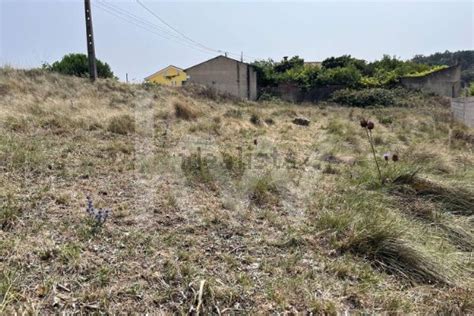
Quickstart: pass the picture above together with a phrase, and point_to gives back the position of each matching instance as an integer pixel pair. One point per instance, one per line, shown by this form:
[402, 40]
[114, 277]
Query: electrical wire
[187, 37]
[182, 39]
[136, 18]
[144, 26]
[176, 30]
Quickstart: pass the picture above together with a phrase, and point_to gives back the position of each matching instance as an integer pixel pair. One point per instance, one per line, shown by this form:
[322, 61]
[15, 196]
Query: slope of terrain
[222, 206]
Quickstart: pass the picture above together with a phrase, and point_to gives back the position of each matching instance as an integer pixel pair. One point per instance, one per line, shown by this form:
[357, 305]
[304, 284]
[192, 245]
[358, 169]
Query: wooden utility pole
[90, 41]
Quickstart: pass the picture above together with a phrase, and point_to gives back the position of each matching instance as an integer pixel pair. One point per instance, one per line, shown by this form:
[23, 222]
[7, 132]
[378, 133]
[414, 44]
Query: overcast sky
[34, 31]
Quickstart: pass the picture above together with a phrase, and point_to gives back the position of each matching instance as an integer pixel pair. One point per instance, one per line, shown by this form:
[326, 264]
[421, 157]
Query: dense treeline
[464, 58]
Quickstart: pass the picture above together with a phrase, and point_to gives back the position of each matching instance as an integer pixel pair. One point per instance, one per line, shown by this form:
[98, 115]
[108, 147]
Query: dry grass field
[226, 207]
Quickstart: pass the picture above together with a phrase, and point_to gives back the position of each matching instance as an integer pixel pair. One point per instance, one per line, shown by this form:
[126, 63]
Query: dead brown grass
[255, 243]
[185, 110]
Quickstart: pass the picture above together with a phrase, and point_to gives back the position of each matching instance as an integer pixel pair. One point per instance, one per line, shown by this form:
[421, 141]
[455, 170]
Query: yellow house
[169, 76]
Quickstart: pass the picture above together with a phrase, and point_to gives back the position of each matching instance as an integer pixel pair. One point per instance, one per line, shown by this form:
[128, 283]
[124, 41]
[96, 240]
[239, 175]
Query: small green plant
[264, 192]
[7, 289]
[69, 253]
[196, 168]
[9, 213]
[234, 113]
[255, 119]
[234, 163]
[97, 217]
[386, 120]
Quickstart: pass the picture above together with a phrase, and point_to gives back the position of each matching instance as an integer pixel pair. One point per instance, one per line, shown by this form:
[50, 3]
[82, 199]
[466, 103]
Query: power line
[146, 24]
[176, 30]
[143, 26]
[159, 30]
[136, 18]
[187, 37]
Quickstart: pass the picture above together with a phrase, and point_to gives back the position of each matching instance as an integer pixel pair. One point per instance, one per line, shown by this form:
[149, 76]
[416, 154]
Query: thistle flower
[386, 156]
[395, 157]
[99, 215]
[90, 207]
[369, 126]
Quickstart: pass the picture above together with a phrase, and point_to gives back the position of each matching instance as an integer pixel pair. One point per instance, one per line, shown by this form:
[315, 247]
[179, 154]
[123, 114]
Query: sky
[36, 31]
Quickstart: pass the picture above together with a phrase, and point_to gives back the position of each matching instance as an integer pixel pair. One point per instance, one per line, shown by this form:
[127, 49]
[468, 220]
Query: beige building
[226, 75]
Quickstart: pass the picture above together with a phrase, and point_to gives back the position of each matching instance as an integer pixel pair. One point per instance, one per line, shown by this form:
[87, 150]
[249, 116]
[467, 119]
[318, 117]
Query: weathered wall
[463, 110]
[445, 82]
[292, 93]
[225, 75]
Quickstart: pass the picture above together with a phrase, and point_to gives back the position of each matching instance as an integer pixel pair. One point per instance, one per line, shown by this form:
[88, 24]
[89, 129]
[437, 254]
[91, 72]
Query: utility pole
[90, 41]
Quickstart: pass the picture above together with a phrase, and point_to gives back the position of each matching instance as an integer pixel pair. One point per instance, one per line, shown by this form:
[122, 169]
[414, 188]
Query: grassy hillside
[219, 206]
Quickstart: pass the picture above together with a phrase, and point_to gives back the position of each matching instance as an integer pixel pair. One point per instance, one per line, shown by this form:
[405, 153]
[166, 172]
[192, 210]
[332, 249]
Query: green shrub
[264, 192]
[348, 76]
[471, 89]
[78, 65]
[234, 113]
[196, 168]
[386, 120]
[234, 163]
[363, 98]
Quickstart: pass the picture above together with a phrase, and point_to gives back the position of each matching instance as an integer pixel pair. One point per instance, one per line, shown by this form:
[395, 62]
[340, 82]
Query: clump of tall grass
[264, 191]
[197, 169]
[122, 124]
[234, 113]
[234, 163]
[185, 110]
[9, 212]
[456, 200]
[362, 225]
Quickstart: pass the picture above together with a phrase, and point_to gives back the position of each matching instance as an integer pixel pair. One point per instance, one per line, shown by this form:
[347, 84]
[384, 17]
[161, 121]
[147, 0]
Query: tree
[78, 65]
[463, 58]
[336, 62]
[287, 64]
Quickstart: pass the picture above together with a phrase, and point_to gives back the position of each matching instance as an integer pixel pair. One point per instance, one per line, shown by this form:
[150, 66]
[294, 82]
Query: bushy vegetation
[78, 65]
[365, 97]
[122, 124]
[345, 71]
